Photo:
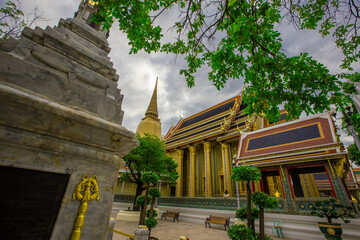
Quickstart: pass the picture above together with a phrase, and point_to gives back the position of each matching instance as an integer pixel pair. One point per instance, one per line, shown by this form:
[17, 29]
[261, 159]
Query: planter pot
[331, 230]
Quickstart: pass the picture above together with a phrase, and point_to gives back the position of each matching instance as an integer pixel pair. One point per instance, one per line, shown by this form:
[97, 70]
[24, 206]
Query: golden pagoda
[151, 123]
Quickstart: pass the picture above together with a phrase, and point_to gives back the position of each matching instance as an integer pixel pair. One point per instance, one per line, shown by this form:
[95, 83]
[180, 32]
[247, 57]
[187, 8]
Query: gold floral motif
[340, 167]
[331, 231]
[85, 191]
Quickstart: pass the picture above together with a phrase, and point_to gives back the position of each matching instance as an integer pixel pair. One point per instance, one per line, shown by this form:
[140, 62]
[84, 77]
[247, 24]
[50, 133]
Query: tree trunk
[139, 190]
[143, 210]
[261, 223]
[250, 222]
[153, 200]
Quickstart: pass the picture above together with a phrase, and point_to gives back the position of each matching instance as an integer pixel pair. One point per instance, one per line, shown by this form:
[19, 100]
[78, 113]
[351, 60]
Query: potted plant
[331, 210]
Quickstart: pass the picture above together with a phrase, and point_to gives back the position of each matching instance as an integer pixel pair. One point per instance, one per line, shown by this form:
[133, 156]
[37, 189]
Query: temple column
[242, 188]
[179, 187]
[208, 182]
[225, 150]
[288, 200]
[192, 186]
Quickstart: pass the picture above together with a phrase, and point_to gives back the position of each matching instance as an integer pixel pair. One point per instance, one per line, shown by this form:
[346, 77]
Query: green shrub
[149, 177]
[154, 192]
[263, 200]
[240, 232]
[257, 237]
[247, 173]
[155, 214]
[241, 213]
[151, 222]
[140, 200]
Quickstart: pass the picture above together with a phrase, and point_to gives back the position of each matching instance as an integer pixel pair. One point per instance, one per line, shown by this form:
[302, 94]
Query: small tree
[262, 200]
[148, 156]
[149, 178]
[354, 154]
[248, 174]
[150, 221]
[13, 20]
[154, 193]
[140, 201]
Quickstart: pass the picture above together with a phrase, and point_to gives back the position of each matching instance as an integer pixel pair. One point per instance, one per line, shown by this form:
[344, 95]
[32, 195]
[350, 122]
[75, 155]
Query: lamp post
[234, 165]
[237, 194]
[159, 187]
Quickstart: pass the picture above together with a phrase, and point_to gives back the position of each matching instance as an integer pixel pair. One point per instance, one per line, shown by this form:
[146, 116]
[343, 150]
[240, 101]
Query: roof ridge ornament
[250, 123]
[230, 118]
[180, 115]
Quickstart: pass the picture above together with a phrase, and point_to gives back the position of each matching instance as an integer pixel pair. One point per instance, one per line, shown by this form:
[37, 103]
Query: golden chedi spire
[151, 123]
[152, 109]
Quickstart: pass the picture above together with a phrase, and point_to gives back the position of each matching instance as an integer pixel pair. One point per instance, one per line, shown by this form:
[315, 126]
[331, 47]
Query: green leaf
[248, 47]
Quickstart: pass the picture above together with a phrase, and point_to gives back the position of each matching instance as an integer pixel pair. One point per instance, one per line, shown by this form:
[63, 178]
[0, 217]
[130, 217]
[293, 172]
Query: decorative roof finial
[89, 1]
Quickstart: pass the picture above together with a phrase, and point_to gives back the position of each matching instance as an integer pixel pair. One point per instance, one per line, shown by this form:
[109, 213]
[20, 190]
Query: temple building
[301, 160]
[205, 146]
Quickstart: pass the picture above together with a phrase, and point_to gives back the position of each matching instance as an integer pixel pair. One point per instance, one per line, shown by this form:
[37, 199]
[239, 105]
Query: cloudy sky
[138, 72]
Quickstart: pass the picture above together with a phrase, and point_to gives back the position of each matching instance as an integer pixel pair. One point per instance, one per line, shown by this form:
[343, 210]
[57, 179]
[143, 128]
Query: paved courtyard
[168, 230]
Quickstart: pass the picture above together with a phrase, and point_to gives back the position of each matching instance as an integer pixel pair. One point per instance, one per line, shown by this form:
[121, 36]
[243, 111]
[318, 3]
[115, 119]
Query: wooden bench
[174, 215]
[217, 220]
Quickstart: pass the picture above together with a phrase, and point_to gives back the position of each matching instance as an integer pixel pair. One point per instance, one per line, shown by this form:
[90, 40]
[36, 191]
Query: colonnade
[205, 174]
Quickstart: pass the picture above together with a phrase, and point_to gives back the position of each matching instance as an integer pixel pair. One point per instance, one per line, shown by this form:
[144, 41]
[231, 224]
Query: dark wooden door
[29, 202]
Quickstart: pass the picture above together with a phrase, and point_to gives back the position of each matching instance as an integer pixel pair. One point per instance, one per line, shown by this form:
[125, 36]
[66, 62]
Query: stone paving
[168, 230]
